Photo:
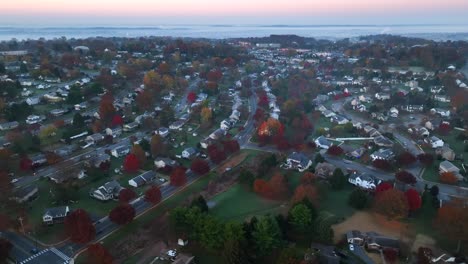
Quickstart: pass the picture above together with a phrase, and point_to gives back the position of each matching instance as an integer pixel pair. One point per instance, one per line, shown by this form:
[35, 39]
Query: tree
[391, 203]
[5, 248]
[153, 195]
[157, 145]
[279, 187]
[138, 151]
[126, 195]
[302, 218]
[427, 159]
[405, 177]
[200, 166]
[306, 191]
[338, 179]
[246, 177]
[434, 190]
[452, 221]
[406, 159]
[25, 163]
[79, 227]
[448, 177]
[358, 199]
[122, 214]
[47, 132]
[323, 230]
[152, 81]
[234, 252]
[384, 186]
[106, 108]
[145, 100]
[308, 178]
[382, 164]
[318, 158]
[391, 255]
[289, 255]
[4, 220]
[131, 163]
[178, 177]
[414, 199]
[191, 97]
[335, 150]
[444, 128]
[74, 96]
[262, 187]
[98, 254]
[117, 121]
[266, 235]
[200, 202]
[206, 114]
[424, 255]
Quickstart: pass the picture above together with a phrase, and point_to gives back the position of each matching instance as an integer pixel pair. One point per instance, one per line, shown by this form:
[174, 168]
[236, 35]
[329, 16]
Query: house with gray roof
[55, 215]
[299, 161]
[142, 179]
[110, 190]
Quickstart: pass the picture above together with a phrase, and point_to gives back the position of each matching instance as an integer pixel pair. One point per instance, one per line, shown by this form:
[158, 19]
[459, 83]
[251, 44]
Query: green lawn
[431, 173]
[237, 204]
[336, 202]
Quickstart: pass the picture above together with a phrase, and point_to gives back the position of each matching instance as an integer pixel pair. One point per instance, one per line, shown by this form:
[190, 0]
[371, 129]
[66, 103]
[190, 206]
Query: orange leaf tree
[392, 203]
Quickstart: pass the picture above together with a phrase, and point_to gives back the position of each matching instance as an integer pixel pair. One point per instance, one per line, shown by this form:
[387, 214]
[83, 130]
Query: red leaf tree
[306, 191]
[448, 178]
[391, 203]
[98, 254]
[382, 164]
[117, 121]
[25, 164]
[390, 254]
[384, 186]
[231, 146]
[262, 188]
[131, 163]
[444, 128]
[452, 221]
[178, 177]
[426, 159]
[406, 159]
[216, 154]
[79, 227]
[308, 178]
[279, 187]
[414, 199]
[153, 195]
[5, 248]
[126, 195]
[200, 166]
[405, 177]
[191, 97]
[335, 150]
[122, 214]
[106, 108]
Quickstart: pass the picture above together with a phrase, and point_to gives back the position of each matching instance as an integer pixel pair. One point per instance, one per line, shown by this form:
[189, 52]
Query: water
[435, 32]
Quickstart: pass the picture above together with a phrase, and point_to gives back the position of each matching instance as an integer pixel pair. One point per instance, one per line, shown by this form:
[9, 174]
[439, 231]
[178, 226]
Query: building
[38, 160]
[189, 153]
[298, 161]
[382, 96]
[447, 166]
[97, 160]
[364, 181]
[9, 125]
[323, 142]
[33, 100]
[377, 242]
[355, 237]
[324, 170]
[218, 134]
[446, 153]
[177, 125]
[383, 154]
[110, 190]
[142, 179]
[130, 126]
[435, 142]
[163, 131]
[120, 151]
[55, 215]
[33, 119]
[114, 132]
[340, 120]
[26, 194]
[94, 138]
[165, 162]
[382, 141]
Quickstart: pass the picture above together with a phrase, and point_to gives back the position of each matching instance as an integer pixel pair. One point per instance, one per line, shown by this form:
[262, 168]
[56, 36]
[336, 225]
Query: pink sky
[224, 7]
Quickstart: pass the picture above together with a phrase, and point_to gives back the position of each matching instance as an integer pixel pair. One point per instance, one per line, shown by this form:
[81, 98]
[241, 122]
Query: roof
[144, 177]
[323, 141]
[448, 166]
[300, 157]
[383, 153]
[57, 211]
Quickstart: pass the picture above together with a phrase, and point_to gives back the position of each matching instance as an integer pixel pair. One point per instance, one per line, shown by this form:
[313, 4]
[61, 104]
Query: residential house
[189, 153]
[412, 108]
[357, 153]
[97, 160]
[365, 181]
[9, 125]
[38, 160]
[446, 153]
[94, 138]
[130, 126]
[65, 150]
[55, 215]
[441, 98]
[33, 119]
[110, 190]
[382, 96]
[57, 112]
[204, 143]
[114, 132]
[33, 100]
[226, 125]
[26, 194]
[324, 170]
[382, 154]
[435, 142]
[375, 241]
[323, 142]
[355, 237]
[120, 151]
[165, 162]
[441, 112]
[447, 166]
[163, 131]
[328, 113]
[339, 119]
[383, 141]
[177, 125]
[436, 89]
[142, 179]
[218, 134]
[393, 112]
[299, 161]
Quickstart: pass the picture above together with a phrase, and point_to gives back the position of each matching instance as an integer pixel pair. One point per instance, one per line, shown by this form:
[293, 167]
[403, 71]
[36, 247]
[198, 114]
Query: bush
[359, 199]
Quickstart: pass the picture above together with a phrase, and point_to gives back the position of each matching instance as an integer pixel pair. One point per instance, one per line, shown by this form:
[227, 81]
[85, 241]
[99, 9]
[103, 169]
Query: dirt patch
[231, 163]
[367, 221]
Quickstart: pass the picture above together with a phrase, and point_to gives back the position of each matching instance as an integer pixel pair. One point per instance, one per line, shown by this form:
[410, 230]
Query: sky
[233, 12]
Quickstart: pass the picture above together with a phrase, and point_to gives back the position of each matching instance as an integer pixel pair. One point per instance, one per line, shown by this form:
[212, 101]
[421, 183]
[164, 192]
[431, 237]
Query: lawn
[336, 202]
[237, 204]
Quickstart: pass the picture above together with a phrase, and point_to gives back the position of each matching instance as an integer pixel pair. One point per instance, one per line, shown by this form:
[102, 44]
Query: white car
[351, 247]
[14, 181]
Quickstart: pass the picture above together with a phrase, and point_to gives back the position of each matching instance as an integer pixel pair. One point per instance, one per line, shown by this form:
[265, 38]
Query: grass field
[336, 202]
[237, 204]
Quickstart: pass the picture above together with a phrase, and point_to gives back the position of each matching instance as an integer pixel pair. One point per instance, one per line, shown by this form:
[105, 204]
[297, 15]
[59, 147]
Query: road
[182, 104]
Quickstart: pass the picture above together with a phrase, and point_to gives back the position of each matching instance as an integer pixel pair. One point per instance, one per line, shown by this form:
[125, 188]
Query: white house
[382, 154]
[9, 125]
[364, 181]
[393, 112]
[163, 131]
[130, 126]
[189, 153]
[163, 162]
[323, 143]
[298, 161]
[55, 215]
[106, 192]
[33, 100]
[435, 142]
[142, 179]
[382, 96]
[33, 119]
[120, 151]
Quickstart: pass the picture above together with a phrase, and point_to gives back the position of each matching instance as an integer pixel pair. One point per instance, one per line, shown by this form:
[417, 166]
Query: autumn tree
[444, 128]
[152, 81]
[278, 186]
[178, 177]
[384, 186]
[406, 159]
[391, 203]
[405, 177]
[452, 221]
[79, 227]
[106, 108]
[262, 187]
[414, 199]
[382, 164]
[200, 166]
[157, 145]
[117, 121]
[122, 214]
[145, 100]
[98, 254]
[359, 199]
[206, 115]
[305, 191]
[390, 254]
[126, 195]
[308, 178]
[335, 150]
[138, 151]
[191, 97]
[338, 180]
[427, 159]
[131, 163]
[153, 195]
[448, 177]
[231, 146]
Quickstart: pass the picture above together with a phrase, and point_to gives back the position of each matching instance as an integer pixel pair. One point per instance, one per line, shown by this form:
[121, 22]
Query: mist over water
[435, 32]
